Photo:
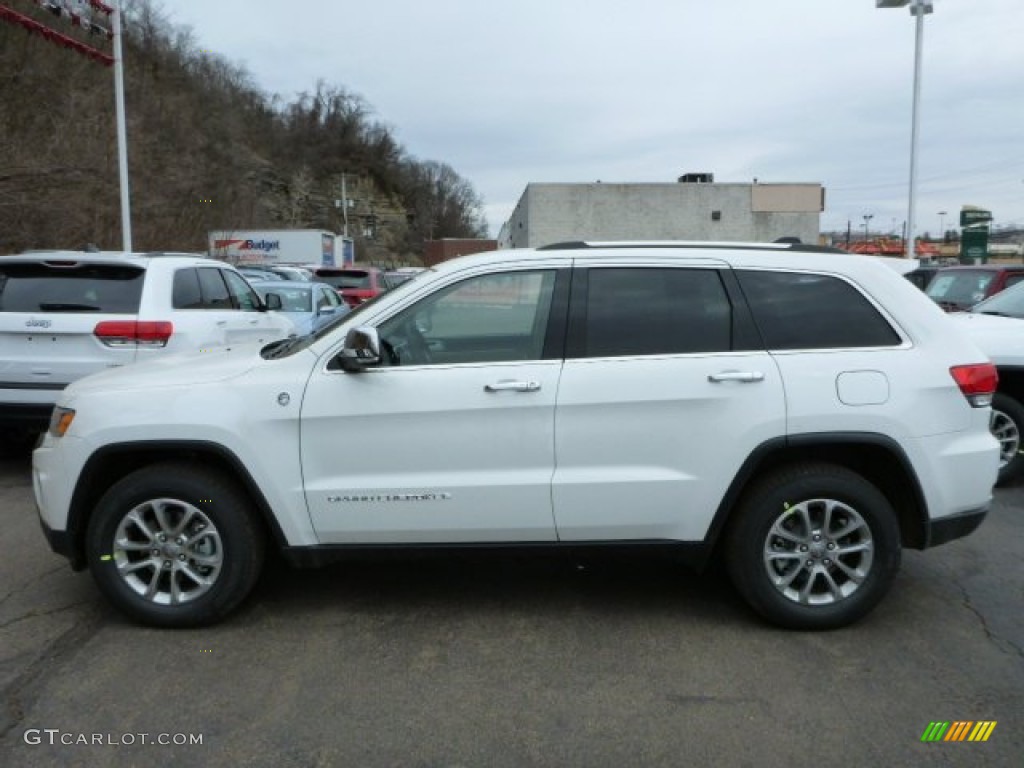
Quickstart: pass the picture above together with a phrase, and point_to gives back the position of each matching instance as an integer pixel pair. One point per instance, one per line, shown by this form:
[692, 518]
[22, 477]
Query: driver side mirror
[273, 301]
[361, 350]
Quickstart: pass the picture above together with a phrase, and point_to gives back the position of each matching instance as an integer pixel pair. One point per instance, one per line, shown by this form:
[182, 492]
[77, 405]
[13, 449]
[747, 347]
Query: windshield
[290, 346]
[293, 298]
[961, 287]
[1009, 302]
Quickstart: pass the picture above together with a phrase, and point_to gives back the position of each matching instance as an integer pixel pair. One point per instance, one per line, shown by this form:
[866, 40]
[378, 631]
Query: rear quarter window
[71, 287]
[795, 310]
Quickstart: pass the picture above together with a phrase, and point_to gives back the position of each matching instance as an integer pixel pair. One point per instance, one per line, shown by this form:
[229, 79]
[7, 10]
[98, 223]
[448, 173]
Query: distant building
[436, 251]
[695, 208]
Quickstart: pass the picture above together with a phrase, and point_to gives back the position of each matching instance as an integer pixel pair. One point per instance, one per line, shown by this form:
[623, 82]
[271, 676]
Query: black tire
[206, 563]
[850, 543]
[1007, 426]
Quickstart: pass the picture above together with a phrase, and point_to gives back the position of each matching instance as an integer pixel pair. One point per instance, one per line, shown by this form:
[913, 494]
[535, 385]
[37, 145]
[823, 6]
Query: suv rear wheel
[813, 546]
[174, 545]
[1006, 425]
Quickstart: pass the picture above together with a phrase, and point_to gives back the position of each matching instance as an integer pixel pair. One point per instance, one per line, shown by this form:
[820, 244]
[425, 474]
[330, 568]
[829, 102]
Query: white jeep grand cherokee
[66, 314]
[806, 414]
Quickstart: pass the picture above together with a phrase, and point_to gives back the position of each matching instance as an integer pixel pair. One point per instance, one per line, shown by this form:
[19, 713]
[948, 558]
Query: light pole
[942, 226]
[867, 218]
[122, 129]
[918, 9]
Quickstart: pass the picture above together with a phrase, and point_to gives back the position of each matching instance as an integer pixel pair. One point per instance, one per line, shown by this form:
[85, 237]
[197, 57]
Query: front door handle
[510, 385]
[744, 376]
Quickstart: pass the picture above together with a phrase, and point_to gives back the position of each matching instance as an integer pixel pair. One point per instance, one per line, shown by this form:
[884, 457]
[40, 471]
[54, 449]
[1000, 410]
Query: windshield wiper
[53, 306]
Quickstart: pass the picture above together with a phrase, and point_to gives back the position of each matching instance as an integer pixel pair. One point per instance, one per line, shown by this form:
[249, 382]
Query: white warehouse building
[695, 208]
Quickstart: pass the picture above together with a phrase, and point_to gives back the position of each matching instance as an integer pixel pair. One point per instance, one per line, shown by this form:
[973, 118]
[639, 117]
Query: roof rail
[573, 245]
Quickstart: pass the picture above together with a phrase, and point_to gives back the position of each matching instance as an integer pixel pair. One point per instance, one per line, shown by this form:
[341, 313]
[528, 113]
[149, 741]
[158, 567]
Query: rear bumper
[947, 529]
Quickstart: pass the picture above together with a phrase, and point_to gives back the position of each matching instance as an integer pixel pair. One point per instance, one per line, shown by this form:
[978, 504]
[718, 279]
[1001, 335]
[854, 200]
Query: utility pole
[344, 204]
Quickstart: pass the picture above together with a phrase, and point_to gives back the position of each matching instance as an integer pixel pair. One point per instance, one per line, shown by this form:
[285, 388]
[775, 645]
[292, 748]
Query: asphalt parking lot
[510, 662]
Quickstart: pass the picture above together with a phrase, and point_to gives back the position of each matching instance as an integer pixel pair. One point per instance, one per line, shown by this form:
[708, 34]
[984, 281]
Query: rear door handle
[743, 376]
[510, 385]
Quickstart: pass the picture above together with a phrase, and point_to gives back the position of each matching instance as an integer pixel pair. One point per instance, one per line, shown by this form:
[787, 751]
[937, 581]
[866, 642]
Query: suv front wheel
[174, 545]
[813, 546]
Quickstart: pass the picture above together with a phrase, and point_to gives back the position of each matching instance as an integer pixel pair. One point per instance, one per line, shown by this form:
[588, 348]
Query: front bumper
[52, 486]
[61, 543]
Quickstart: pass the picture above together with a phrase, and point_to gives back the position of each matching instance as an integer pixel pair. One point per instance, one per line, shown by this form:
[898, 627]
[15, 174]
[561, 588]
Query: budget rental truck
[280, 246]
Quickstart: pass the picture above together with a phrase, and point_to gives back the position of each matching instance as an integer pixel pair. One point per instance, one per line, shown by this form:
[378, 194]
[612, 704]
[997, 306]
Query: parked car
[309, 306]
[276, 272]
[293, 273]
[258, 273]
[960, 288]
[1008, 303]
[66, 314]
[996, 325]
[806, 415]
[354, 284]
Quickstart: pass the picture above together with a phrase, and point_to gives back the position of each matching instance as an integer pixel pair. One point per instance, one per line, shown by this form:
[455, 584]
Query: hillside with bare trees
[207, 150]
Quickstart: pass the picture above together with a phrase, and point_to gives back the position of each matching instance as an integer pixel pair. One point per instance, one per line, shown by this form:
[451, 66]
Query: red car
[354, 284]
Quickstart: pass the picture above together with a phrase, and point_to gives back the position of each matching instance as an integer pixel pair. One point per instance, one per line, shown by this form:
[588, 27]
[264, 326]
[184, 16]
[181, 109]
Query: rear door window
[70, 287]
[655, 311]
[215, 292]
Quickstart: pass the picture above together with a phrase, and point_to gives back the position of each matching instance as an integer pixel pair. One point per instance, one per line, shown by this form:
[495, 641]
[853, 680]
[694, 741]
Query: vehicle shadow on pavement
[464, 583]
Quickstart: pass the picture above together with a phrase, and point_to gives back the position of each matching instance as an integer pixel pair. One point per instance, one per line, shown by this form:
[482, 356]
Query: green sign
[974, 246]
[974, 216]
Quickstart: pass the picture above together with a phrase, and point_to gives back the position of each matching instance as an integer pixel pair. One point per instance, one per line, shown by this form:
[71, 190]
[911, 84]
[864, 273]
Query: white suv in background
[805, 414]
[66, 314]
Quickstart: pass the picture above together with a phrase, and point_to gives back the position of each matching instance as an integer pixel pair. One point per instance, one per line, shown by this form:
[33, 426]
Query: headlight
[61, 420]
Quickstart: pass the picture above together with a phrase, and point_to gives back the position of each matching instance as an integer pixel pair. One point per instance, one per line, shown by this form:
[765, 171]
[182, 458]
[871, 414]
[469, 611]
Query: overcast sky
[643, 91]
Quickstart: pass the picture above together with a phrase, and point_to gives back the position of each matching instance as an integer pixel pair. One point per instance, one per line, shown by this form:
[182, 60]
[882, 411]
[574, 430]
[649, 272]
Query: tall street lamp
[942, 225]
[918, 9]
[867, 218]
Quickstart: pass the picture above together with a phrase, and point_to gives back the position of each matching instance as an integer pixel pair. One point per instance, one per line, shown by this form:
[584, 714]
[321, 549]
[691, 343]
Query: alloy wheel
[818, 552]
[1005, 430]
[168, 551]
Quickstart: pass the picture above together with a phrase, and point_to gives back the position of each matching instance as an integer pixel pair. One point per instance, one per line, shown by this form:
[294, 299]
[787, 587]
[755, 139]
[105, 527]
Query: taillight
[977, 382]
[134, 333]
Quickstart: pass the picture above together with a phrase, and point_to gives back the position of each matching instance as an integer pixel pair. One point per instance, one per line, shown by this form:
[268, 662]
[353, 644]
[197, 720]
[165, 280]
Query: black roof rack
[573, 245]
